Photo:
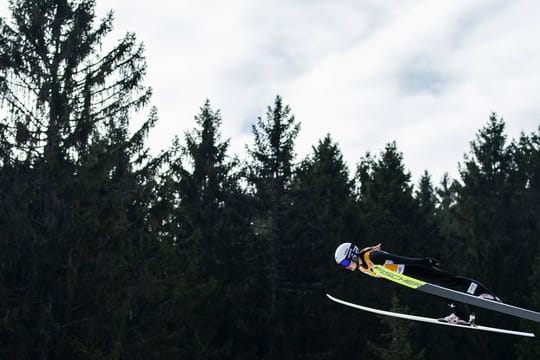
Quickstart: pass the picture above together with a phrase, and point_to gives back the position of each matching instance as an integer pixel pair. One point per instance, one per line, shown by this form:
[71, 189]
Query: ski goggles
[345, 263]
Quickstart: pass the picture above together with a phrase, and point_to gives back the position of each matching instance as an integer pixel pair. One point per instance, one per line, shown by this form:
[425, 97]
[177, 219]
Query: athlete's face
[352, 266]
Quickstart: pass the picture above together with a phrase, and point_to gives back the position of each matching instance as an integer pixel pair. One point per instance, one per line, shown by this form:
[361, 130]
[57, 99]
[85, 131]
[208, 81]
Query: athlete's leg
[458, 283]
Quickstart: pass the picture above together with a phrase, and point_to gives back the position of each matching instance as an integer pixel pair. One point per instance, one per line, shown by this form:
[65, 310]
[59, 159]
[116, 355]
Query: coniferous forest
[109, 252]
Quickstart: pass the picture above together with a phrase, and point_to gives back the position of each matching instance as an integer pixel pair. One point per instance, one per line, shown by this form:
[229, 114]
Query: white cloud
[428, 79]
[426, 74]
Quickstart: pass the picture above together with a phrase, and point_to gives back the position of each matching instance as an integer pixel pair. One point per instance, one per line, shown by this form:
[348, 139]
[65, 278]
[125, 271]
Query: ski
[429, 320]
[456, 295]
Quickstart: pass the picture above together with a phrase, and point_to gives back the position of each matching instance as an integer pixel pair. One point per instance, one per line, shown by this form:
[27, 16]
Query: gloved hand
[431, 262]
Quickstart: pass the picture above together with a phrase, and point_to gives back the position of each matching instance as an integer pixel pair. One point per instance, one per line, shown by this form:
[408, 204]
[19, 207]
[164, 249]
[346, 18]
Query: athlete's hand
[431, 262]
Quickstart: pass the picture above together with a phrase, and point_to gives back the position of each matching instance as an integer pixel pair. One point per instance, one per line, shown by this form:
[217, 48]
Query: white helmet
[345, 253]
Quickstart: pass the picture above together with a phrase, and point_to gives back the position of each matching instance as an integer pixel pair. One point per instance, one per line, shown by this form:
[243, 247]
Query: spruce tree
[526, 205]
[427, 222]
[270, 172]
[210, 232]
[77, 245]
[452, 245]
[323, 216]
[484, 195]
[61, 92]
[387, 202]
[490, 211]
[389, 214]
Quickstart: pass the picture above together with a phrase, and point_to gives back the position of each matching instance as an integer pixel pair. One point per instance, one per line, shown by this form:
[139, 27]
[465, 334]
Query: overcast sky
[426, 74]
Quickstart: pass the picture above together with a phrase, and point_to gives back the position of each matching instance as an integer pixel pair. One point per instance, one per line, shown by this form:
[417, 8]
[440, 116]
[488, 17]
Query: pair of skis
[448, 294]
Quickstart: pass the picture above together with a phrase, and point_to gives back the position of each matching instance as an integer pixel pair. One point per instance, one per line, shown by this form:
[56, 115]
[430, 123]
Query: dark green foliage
[484, 193]
[386, 198]
[494, 208]
[270, 174]
[76, 187]
[427, 227]
[453, 246]
[322, 217]
[61, 93]
[531, 349]
[209, 231]
[396, 343]
[273, 151]
[496, 219]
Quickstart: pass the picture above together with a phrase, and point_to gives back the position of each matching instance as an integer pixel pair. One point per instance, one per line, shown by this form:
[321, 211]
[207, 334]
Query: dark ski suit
[425, 269]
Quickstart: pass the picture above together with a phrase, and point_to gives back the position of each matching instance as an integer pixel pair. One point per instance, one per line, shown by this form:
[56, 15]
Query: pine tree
[322, 216]
[209, 230]
[386, 198]
[205, 185]
[427, 222]
[76, 239]
[452, 244]
[489, 211]
[59, 89]
[525, 202]
[270, 174]
[483, 197]
[389, 215]
[526, 205]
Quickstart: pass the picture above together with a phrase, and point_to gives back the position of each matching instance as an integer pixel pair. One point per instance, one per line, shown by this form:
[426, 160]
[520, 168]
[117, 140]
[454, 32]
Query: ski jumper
[424, 269]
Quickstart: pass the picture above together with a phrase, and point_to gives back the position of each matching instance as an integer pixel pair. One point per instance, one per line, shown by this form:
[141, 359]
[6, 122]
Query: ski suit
[425, 269]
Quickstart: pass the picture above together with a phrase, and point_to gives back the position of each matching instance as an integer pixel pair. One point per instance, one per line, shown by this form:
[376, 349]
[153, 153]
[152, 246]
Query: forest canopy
[109, 252]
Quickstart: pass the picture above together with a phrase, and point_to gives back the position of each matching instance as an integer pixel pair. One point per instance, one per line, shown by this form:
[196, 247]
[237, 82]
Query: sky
[426, 74]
